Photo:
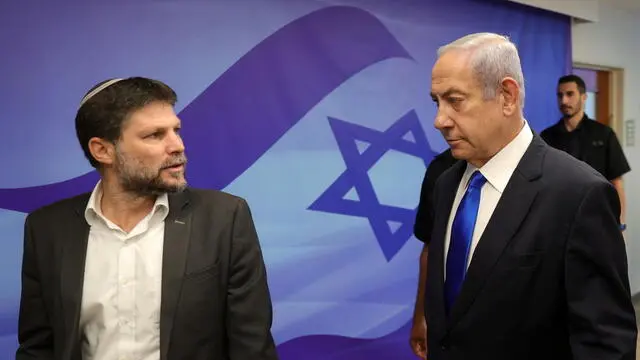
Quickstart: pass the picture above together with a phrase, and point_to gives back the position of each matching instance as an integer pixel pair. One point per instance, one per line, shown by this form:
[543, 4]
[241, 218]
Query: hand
[418, 338]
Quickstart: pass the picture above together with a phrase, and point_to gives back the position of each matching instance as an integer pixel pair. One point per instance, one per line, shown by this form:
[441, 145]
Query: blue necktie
[461, 235]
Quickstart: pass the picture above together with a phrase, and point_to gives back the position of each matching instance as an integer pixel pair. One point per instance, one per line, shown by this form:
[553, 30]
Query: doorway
[604, 94]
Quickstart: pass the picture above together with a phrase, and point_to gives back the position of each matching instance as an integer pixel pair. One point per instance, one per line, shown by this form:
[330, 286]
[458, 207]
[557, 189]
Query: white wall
[581, 9]
[615, 41]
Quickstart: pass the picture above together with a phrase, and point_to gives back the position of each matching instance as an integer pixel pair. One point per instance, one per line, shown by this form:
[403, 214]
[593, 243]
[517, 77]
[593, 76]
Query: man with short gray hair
[526, 259]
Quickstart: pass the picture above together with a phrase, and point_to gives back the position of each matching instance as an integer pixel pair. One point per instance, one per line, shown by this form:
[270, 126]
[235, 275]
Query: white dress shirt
[497, 171]
[120, 313]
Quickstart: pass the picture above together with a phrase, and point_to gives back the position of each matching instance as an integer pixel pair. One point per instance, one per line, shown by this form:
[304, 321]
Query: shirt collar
[563, 129]
[93, 210]
[500, 167]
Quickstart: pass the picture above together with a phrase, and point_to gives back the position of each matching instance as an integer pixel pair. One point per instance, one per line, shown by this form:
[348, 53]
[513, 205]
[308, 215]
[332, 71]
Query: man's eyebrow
[449, 92]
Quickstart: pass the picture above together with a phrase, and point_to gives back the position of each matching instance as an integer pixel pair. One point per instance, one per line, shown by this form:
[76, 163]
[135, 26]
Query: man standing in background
[422, 231]
[585, 139]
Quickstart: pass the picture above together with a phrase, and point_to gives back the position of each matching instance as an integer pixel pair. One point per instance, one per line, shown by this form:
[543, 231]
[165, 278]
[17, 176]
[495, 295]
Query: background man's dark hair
[582, 87]
[104, 114]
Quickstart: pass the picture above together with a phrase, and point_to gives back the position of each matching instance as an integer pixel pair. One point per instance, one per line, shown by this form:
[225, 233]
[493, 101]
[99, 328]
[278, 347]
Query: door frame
[615, 93]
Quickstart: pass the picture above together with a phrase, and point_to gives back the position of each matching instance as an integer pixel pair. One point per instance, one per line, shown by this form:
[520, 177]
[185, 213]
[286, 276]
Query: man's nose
[176, 145]
[442, 121]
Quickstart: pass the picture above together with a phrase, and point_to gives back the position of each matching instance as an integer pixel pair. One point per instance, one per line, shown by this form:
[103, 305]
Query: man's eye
[154, 135]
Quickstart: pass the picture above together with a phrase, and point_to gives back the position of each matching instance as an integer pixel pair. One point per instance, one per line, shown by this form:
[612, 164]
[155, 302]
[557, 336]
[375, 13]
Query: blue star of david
[356, 176]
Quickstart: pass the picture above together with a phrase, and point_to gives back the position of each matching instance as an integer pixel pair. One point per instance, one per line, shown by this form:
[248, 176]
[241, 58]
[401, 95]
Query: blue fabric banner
[317, 112]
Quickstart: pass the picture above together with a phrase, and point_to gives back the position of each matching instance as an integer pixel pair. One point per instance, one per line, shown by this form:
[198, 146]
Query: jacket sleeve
[249, 308]
[602, 323]
[35, 335]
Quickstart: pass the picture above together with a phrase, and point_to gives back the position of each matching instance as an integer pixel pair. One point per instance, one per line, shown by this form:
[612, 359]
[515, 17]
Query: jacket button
[445, 344]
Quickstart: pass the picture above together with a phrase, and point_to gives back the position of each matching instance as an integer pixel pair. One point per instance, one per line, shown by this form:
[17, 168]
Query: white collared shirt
[497, 171]
[120, 313]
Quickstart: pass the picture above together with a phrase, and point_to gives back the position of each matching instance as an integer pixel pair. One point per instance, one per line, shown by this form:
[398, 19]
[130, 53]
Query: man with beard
[143, 267]
[585, 139]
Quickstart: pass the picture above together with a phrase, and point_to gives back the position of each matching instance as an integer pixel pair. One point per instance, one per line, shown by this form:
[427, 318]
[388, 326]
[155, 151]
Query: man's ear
[103, 151]
[510, 93]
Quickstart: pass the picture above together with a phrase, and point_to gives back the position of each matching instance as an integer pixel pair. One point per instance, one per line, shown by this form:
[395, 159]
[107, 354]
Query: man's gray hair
[493, 57]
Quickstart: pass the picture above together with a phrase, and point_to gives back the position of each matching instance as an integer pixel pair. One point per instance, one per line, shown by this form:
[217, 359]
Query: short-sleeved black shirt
[425, 214]
[592, 142]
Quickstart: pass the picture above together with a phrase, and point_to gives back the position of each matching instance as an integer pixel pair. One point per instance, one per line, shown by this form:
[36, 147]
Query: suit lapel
[72, 263]
[177, 231]
[447, 188]
[510, 212]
